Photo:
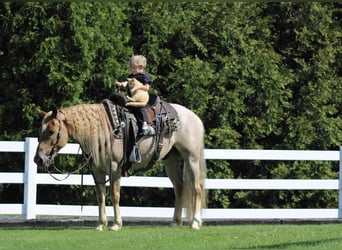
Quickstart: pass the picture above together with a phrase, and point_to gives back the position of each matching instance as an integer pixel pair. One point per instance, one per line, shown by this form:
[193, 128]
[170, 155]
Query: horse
[89, 125]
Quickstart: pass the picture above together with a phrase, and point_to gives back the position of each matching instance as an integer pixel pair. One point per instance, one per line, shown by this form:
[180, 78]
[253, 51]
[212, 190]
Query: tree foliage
[57, 53]
[260, 75]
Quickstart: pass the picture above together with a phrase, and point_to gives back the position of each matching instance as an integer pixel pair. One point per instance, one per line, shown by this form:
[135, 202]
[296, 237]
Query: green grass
[325, 236]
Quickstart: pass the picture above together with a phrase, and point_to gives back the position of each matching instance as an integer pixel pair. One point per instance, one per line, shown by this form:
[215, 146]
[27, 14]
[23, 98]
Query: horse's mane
[88, 124]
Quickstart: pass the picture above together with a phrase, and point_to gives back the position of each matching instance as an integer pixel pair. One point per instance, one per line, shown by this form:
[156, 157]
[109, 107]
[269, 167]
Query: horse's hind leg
[194, 182]
[175, 173]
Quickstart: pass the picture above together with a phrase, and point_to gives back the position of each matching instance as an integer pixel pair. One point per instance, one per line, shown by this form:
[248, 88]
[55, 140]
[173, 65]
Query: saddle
[162, 117]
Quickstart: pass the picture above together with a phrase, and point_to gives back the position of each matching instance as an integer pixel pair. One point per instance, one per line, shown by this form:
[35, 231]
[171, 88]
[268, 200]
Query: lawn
[324, 236]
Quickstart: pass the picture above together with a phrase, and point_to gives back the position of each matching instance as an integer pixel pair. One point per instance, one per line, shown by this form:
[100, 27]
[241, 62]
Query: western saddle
[162, 117]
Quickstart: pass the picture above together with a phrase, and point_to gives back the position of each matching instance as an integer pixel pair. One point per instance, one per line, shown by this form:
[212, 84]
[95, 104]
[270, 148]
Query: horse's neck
[84, 122]
[88, 125]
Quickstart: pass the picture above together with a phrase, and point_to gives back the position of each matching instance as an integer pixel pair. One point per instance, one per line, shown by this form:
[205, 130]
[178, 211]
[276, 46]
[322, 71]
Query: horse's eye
[50, 132]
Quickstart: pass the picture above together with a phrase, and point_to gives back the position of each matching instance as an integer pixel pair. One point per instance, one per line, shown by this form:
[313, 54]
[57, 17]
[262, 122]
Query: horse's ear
[54, 110]
[41, 112]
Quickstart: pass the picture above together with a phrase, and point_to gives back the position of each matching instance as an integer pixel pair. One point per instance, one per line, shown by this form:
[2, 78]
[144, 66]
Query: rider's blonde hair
[138, 60]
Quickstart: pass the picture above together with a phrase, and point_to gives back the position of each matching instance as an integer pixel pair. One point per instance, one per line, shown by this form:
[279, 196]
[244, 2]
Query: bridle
[51, 160]
[55, 145]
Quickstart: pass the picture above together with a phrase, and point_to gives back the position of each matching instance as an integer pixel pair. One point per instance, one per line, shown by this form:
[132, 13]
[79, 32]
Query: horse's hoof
[115, 227]
[176, 224]
[195, 225]
[99, 228]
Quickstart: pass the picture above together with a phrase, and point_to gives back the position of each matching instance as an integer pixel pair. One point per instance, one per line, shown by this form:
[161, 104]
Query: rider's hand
[118, 84]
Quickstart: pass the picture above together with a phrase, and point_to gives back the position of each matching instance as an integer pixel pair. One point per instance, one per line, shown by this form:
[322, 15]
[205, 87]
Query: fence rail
[30, 178]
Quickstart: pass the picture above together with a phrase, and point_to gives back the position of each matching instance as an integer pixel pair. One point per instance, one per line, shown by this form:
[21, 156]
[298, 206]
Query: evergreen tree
[57, 53]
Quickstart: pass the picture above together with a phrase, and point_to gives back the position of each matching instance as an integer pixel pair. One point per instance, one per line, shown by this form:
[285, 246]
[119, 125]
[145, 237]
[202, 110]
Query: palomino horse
[89, 125]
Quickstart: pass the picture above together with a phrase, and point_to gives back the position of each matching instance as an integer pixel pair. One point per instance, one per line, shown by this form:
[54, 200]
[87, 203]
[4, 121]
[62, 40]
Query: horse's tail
[203, 168]
[189, 194]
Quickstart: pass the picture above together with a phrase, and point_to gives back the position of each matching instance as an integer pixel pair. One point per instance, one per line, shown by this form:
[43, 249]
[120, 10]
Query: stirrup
[135, 155]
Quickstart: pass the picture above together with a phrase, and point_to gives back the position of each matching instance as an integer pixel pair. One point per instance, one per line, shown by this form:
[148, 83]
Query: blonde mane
[88, 124]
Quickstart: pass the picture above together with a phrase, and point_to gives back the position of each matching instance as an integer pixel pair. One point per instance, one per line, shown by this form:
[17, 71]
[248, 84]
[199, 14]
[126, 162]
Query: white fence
[30, 178]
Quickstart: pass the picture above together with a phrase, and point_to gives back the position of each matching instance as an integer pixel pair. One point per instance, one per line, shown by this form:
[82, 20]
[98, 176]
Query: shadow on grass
[292, 245]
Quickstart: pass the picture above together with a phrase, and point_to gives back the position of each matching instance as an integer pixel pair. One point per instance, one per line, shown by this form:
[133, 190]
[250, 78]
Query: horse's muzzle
[44, 161]
[38, 160]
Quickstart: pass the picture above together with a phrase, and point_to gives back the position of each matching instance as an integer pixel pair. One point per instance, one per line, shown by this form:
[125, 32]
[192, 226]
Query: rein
[54, 146]
[87, 157]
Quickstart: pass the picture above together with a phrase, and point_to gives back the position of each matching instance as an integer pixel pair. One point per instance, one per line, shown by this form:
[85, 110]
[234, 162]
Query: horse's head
[53, 135]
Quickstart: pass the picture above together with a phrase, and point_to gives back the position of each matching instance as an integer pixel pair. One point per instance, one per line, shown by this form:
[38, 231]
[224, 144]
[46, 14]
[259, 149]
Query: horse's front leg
[115, 198]
[101, 201]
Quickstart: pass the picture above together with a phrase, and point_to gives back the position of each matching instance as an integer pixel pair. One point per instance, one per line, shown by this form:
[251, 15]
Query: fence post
[340, 187]
[30, 185]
